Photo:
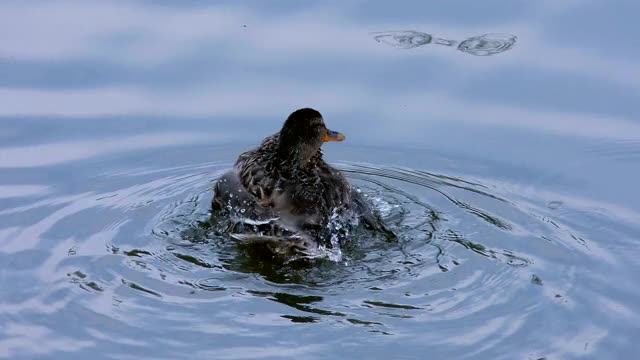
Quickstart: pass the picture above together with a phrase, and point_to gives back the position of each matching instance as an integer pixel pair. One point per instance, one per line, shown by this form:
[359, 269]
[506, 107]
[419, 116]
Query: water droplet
[403, 39]
[487, 44]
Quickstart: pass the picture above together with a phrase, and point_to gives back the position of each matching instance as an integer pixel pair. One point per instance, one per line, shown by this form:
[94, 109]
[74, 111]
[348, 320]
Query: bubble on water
[487, 44]
[403, 39]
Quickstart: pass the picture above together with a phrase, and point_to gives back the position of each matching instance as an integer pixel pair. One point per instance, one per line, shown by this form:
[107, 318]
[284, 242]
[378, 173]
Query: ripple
[425, 247]
[393, 306]
[487, 44]
[483, 45]
[56, 153]
[621, 150]
[403, 39]
[298, 302]
[467, 249]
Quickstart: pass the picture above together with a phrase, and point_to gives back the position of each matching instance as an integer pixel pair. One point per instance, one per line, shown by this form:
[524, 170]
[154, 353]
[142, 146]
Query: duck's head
[303, 134]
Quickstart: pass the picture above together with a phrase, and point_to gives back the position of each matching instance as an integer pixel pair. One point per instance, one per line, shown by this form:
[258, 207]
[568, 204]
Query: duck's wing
[255, 171]
[227, 184]
[230, 194]
[336, 188]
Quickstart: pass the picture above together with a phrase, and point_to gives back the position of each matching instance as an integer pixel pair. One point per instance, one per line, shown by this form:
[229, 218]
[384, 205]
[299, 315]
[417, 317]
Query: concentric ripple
[483, 45]
[443, 234]
[472, 253]
[403, 39]
[487, 44]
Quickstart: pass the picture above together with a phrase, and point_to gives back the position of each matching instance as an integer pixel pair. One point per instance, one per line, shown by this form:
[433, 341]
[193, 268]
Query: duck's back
[312, 191]
[260, 191]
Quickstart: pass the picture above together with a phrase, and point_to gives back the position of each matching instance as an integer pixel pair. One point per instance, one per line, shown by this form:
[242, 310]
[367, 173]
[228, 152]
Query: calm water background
[511, 179]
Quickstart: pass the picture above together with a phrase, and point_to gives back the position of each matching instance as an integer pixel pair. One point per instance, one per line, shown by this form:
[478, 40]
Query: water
[510, 179]
[482, 45]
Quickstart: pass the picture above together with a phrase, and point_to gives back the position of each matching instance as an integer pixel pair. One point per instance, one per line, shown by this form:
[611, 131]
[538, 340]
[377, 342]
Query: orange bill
[333, 136]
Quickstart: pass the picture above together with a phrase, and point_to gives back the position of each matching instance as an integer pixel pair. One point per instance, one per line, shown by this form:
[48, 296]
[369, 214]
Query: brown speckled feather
[312, 190]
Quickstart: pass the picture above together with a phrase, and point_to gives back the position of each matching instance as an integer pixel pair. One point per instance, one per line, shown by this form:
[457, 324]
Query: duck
[286, 183]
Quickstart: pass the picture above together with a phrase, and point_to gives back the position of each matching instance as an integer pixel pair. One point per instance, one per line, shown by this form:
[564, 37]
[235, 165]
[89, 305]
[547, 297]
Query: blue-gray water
[511, 178]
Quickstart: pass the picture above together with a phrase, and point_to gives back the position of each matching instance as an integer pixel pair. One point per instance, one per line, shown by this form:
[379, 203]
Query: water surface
[510, 177]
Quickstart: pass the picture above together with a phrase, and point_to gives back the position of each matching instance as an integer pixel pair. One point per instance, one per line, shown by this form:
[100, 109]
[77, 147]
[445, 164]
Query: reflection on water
[483, 45]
